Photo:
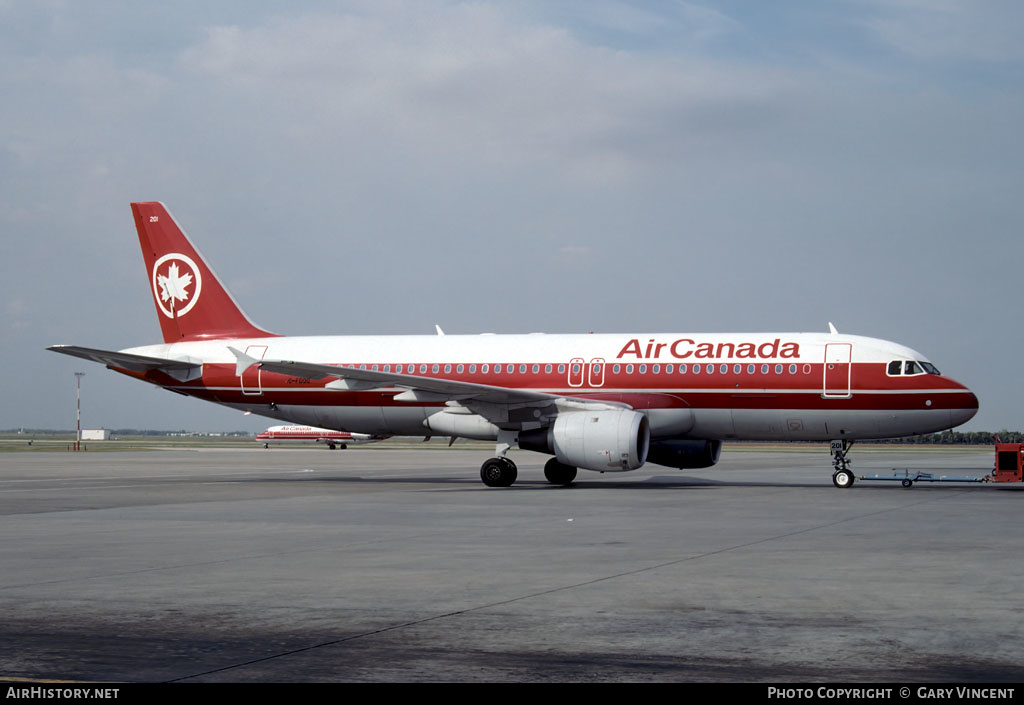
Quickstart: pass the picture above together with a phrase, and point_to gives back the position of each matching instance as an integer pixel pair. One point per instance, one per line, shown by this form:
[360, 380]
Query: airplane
[600, 402]
[333, 439]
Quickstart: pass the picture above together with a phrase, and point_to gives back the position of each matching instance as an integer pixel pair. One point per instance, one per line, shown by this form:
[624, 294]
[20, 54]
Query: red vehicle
[1009, 463]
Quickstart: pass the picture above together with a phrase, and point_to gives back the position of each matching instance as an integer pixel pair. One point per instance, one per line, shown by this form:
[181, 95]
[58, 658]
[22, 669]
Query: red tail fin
[191, 303]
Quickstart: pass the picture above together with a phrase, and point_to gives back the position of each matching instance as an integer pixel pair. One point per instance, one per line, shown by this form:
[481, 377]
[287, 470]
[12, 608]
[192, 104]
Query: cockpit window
[911, 367]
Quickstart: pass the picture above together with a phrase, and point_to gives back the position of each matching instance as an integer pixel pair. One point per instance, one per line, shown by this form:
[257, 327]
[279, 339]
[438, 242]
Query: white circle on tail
[176, 284]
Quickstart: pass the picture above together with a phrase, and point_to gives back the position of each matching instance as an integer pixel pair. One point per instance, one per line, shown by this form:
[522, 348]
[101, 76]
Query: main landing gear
[498, 472]
[842, 477]
[502, 472]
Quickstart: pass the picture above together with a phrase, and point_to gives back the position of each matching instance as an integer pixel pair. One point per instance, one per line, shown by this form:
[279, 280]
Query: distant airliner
[599, 402]
[333, 439]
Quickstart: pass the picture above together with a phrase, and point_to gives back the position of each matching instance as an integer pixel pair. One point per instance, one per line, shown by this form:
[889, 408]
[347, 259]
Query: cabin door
[250, 379]
[838, 370]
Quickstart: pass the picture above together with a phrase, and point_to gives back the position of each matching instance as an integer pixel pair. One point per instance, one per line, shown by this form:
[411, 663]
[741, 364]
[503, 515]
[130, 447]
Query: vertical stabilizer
[191, 302]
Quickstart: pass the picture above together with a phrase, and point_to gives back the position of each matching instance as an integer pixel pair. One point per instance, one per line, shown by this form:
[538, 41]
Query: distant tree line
[979, 438]
[129, 432]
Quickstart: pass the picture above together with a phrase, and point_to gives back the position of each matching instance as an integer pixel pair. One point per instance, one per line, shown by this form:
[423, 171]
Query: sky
[559, 166]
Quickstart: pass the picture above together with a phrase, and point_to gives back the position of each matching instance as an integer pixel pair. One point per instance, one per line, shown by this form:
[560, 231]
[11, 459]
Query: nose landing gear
[842, 477]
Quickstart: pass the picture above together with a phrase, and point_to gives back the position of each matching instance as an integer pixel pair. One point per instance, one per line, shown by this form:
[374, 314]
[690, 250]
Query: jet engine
[685, 453]
[605, 441]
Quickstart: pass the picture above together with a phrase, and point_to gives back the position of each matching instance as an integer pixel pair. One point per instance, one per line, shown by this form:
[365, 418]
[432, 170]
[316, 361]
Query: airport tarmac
[298, 565]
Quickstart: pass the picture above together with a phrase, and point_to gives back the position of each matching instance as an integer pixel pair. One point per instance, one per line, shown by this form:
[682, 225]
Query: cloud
[948, 30]
[470, 80]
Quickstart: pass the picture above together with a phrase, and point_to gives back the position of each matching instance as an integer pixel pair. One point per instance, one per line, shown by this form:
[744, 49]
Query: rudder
[191, 303]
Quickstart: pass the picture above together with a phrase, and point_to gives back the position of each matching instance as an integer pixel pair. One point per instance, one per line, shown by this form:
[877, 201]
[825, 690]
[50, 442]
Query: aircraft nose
[967, 409]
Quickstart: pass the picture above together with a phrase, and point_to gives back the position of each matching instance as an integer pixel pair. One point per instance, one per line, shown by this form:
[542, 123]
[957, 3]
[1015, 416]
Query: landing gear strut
[501, 471]
[842, 477]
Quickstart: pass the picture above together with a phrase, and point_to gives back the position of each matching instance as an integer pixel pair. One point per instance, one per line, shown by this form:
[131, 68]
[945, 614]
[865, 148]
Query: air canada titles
[683, 348]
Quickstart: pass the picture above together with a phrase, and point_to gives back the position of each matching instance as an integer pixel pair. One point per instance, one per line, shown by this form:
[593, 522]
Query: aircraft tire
[498, 472]
[843, 479]
[908, 483]
[559, 473]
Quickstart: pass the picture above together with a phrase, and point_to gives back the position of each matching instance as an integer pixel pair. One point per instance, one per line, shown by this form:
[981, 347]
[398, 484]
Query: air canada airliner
[606, 403]
[333, 439]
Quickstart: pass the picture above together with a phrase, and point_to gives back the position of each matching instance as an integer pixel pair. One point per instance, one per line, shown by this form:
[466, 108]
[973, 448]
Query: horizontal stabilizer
[181, 370]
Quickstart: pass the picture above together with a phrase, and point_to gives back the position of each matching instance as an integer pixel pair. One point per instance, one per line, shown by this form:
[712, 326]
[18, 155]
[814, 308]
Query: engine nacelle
[685, 453]
[605, 441]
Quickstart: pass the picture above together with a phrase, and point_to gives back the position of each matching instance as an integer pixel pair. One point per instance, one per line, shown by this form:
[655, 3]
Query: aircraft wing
[182, 370]
[497, 404]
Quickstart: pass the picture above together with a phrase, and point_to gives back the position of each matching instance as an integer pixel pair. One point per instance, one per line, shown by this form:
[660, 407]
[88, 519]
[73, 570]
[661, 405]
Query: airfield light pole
[78, 409]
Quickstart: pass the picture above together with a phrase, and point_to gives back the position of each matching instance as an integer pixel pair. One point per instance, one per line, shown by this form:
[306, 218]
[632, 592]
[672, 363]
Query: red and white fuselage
[315, 435]
[769, 386]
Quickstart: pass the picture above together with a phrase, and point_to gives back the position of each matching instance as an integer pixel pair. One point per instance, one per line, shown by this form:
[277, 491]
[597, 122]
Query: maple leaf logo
[173, 285]
[176, 284]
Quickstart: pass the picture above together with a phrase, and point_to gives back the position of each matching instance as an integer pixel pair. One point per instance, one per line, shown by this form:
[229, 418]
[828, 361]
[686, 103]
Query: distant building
[95, 434]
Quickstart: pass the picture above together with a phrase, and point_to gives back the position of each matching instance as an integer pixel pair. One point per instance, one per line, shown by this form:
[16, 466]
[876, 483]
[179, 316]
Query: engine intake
[610, 440]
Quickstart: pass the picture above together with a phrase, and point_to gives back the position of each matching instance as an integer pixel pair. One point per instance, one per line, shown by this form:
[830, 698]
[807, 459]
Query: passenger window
[668, 369]
[895, 368]
[447, 369]
[696, 369]
[682, 369]
[643, 369]
[737, 369]
[617, 369]
[629, 369]
[547, 369]
[433, 368]
[472, 369]
[423, 369]
[398, 369]
[778, 369]
[655, 369]
[764, 369]
[522, 369]
[536, 369]
[750, 369]
[710, 369]
[724, 369]
[792, 369]
[484, 368]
